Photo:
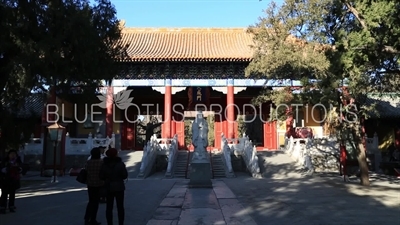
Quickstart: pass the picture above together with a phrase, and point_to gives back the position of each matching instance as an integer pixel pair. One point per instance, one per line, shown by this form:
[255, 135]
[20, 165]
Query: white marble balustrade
[73, 146]
[372, 144]
[323, 153]
[245, 148]
[149, 156]
[33, 147]
[172, 155]
[227, 151]
[164, 143]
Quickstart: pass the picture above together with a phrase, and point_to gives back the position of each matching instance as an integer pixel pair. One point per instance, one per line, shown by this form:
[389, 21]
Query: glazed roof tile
[387, 105]
[187, 44]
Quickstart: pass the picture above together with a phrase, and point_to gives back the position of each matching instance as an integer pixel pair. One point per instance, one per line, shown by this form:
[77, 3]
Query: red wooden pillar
[109, 111]
[230, 107]
[173, 128]
[166, 133]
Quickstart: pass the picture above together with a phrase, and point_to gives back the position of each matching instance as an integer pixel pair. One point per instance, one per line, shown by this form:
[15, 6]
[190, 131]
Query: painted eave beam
[205, 83]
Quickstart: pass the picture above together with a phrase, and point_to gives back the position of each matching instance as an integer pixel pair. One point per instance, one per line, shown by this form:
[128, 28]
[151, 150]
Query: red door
[270, 136]
[218, 130]
[128, 134]
[180, 131]
[236, 130]
[163, 135]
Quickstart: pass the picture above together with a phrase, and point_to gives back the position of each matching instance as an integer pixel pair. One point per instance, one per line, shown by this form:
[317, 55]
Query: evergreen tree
[327, 45]
[57, 43]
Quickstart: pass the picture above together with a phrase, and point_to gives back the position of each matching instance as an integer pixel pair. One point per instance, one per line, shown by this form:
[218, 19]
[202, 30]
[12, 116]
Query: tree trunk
[361, 156]
[362, 163]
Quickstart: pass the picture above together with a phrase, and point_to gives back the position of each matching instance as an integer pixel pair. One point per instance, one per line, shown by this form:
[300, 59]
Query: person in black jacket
[149, 128]
[114, 174]
[10, 170]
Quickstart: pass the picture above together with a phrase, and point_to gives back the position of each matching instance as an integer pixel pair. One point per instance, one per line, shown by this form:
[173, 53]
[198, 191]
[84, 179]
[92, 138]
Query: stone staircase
[181, 164]
[218, 166]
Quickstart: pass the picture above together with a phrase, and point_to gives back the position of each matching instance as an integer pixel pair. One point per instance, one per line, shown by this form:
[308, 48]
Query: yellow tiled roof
[188, 44]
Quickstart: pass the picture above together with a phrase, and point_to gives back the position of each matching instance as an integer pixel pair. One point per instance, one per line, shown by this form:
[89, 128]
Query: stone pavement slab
[234, 213]
[172, 202]
[64, 203]
[200, 198]
[201, 206]
[285, 197]
[201, 216]
[177, 192]
[162, 222]
[167, 213]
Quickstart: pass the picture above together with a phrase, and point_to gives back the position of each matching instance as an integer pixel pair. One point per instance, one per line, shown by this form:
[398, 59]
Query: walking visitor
[114, 174]
[10, 180]
[94, 185]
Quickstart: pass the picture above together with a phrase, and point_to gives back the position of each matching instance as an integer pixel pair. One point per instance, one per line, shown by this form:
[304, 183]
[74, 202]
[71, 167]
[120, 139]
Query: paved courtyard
[282, 196]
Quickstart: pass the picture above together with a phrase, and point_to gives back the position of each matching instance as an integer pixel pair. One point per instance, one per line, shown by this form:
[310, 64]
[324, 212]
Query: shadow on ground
[65, 203]
[284, 196]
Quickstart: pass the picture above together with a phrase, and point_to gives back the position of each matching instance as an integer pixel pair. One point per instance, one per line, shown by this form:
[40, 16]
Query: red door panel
[218, 130]
[236, 130]
[128, 134]
[180, 131]
[225, 128]
[270, 136]
[163, 135]
[173, 128]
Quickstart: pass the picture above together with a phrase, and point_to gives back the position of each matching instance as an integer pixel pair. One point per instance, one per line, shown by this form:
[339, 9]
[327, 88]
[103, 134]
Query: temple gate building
[172, 73]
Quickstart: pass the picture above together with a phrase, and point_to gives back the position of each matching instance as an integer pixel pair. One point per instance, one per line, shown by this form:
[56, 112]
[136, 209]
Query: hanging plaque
[199, 94]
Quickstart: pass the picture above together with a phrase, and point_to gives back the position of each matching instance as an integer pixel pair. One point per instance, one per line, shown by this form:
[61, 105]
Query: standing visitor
[114, 174]
[10, 180]
[149, 128]
[103, 189]
[94, 185]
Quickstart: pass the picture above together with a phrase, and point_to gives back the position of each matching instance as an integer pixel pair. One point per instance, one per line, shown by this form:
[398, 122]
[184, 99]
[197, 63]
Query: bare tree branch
[390, 49]
[386, 48]
[356, 14]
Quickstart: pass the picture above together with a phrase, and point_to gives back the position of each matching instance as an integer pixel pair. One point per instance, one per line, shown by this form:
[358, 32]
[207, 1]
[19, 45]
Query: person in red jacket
[11, 180]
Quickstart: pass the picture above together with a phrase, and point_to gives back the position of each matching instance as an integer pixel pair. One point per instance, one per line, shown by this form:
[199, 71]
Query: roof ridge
[383, 93]
[184, 29]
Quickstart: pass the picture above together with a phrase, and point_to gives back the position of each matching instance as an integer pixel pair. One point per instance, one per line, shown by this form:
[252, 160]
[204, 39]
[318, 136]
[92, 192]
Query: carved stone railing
[372, 144]
[33, 147]
[322, 154]
[372, 147]
[227, 151]
[149, 157]
[172, 155]
[73, 146]
[301, 150]
[164, 145]
[244, 147]
[251, 159]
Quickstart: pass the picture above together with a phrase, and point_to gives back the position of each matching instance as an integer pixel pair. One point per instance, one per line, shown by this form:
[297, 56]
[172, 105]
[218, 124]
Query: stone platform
[200, 206]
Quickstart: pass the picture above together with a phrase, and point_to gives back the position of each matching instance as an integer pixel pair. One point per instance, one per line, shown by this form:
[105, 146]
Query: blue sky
[190, 13]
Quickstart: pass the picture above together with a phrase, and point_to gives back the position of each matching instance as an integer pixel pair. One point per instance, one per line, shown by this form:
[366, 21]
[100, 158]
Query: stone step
[218, 166]
[181, 164]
